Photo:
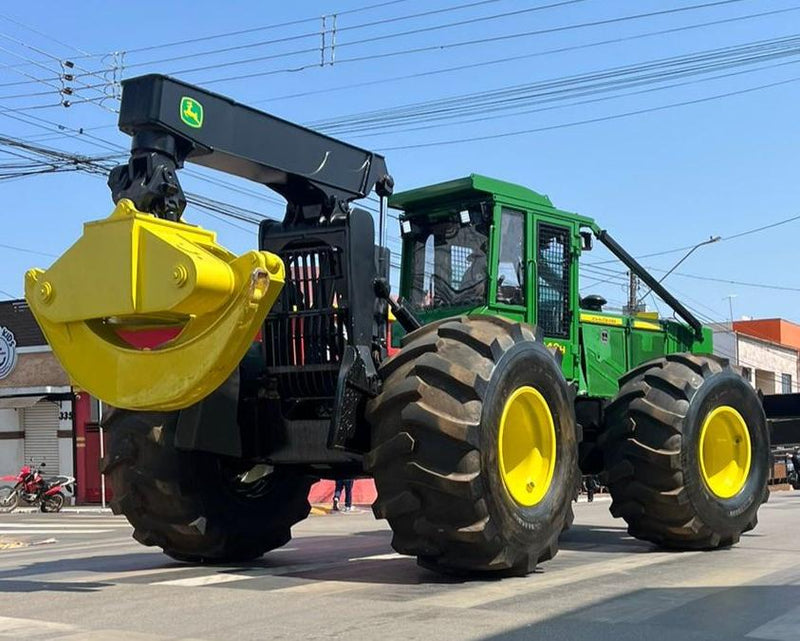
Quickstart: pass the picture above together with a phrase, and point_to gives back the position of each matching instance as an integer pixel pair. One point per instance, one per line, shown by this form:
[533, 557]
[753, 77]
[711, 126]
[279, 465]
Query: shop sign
[8, 352]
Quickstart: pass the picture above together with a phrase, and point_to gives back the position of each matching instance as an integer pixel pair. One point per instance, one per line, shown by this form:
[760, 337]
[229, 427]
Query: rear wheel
[475, 447]
[195, 505]
[52, 503]
[687, 452]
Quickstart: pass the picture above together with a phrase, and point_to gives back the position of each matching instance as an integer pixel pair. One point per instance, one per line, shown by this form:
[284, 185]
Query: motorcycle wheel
[53, 503]
[9, 498]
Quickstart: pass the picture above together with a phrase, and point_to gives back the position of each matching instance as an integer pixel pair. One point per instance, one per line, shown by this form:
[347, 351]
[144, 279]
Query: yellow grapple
[134, 272]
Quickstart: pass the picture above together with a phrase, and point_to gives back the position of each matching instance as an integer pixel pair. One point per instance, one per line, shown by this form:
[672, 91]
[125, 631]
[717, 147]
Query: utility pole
[730, 298]
[633, 294]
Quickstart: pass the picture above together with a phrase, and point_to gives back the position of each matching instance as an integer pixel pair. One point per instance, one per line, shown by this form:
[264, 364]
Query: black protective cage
[321, 336]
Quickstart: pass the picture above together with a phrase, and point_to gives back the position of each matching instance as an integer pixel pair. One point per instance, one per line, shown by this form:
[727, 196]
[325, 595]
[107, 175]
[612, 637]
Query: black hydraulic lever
[404, 316]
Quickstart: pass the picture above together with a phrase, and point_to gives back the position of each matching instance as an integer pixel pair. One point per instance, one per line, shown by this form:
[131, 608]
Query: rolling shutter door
[41, 436]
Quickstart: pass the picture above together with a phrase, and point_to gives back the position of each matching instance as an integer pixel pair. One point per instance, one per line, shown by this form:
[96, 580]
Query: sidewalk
[69, 509]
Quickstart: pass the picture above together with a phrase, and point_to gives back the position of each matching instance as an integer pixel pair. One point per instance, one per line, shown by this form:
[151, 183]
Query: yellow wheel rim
[725, 452]
[527, 446]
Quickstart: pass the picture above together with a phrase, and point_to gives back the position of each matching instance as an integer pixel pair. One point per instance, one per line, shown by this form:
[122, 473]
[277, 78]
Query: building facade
[43, 419]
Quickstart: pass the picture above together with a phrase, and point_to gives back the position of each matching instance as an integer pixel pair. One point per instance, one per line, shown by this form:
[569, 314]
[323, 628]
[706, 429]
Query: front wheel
[9, 498]
[475, 450]
[196, 506]
[52, 503]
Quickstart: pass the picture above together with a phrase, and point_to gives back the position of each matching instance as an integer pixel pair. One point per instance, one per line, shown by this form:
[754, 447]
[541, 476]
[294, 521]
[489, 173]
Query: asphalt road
[339, 579]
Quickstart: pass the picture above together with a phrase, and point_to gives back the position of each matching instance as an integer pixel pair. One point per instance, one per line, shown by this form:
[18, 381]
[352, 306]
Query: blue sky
[666, 178]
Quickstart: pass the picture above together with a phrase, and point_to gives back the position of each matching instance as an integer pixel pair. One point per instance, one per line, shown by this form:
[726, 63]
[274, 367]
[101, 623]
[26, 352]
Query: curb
[66, 510]
[324, 509]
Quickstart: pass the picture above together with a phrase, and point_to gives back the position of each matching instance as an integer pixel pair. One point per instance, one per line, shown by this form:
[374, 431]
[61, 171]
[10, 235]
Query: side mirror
[587, 241]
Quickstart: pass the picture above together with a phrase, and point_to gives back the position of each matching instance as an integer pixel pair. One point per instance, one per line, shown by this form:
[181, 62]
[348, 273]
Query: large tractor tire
[687, 453]
[475, 454]
[194, 505]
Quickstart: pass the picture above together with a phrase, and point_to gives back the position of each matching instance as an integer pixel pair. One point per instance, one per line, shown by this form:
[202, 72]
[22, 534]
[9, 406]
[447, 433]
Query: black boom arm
[172, 122]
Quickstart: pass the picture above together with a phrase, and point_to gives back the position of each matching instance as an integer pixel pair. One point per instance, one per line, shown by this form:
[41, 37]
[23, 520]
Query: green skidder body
[527, 253]
[515, 385]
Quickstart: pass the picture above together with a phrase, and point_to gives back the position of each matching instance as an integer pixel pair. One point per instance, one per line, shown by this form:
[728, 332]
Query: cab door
[508, 285]
[555, 283]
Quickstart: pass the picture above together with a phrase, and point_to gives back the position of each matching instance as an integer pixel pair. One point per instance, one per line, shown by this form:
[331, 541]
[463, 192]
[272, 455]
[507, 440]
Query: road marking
[639, 607]
[278, 570]
[379, 557]
[52, 531]
[782, 628]
[15, 628]
[318, 587]
[74, 550]
[483, 594]
[57, 526]
[672, 594]
[209, 579]
[97, 577]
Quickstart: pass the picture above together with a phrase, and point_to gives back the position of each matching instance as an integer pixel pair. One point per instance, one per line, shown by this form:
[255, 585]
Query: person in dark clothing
[795, 476]
[347, 486]
[591, 488]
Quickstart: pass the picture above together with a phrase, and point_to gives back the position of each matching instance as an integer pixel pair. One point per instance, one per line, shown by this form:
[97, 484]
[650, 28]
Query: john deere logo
[191, 112]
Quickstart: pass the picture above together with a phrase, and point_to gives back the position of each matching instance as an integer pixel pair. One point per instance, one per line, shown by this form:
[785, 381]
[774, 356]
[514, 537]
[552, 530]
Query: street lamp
[712, 239]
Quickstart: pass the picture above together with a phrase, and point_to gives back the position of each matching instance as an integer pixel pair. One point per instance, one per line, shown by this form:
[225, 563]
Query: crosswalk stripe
[483, 594]
[61, 526]
[29, 628]
[256, 573]
[51, 531]
[782, 628]
[208, 579]
[320, 588]
[379, 557]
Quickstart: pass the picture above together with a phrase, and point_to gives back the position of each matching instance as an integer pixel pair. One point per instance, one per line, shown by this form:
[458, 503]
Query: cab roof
[466, 189]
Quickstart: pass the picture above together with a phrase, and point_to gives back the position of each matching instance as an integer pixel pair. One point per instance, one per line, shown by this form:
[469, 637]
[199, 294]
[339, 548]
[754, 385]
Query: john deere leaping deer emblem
[191, 112]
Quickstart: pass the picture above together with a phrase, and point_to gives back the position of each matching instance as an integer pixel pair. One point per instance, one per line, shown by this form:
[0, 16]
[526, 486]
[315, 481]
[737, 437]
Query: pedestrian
[347, 486]
[591, 487]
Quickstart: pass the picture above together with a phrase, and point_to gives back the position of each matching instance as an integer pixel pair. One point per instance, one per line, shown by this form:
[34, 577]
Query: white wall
[724, 341]
[12, 451]
[772, 359]
[65, 458]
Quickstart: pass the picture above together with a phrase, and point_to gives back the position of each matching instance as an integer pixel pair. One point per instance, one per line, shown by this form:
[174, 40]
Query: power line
[270, 27]
[782, 288]
[25, 250]
[460, 23]
[466, 43]
[587, 121]
[445, 70]
[314, 34]
[747, 232]
[514, 98]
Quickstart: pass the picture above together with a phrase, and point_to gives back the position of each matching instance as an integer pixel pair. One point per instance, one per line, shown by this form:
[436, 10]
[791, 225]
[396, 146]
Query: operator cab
[485, 246]
[448, 254]
[467, 244]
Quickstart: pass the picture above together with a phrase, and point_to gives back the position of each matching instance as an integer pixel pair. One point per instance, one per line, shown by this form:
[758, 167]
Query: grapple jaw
[150, 314]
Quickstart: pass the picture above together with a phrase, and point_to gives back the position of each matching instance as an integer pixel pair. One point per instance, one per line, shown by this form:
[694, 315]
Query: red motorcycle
[32, 488]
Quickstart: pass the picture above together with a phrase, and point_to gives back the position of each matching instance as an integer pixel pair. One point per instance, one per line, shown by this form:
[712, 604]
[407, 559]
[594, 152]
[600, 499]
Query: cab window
[511, 258]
